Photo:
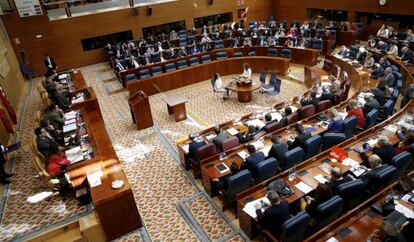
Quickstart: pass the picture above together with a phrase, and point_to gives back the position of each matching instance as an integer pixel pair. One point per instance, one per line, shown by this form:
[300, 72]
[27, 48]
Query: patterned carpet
[160, 186]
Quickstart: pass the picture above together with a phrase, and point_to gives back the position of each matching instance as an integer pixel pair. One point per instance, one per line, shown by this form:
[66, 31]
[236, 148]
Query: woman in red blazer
[354, 110]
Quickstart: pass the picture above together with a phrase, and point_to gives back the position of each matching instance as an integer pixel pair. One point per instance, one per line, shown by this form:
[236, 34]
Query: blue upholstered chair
[252, 53]
[262, 76]
[306, 111]
[272, 81]
[194, 61]
[190, 39]
[221, 55]
[156, 70]
[272, 52]
[170, 67]
[205, 58]
[294, 229]
[317, 44]
[312, 146]
[387, 110]
[329, 210]
[349, 126]
[394, 95]
[238, 54]
[371, 118]
[218, 44]
[399, 84]
[130, 77]
[384, 177]
[332, 139]
[182, 64]
[236, 184]
[265, 170]
[182, 42]
[293, 157]
[352, 192]
[402, 161]
[286, 53]
[144, 73]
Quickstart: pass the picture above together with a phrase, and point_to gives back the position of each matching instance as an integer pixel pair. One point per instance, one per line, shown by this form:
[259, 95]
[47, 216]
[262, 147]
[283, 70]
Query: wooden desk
[311, 168]
[244, 93]
[78, 80]
[176, 106]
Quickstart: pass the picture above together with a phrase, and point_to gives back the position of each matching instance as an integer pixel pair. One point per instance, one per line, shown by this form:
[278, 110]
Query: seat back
[371, 118]
[230, 143]
[194, 61]
[349, 126]
[182, 64]
[306, 111]
[385, 177]
[238, 183]
[399, 84]
[293, 157]
[312, 146]
[252, 53]
[144, 73]
[221, 55]
[265, 170]
[323, 105]
[329, 210]
[327, 65]
[273, 126]
[130, 77]
[292, 118]
[182, 41]
[206, 151]
[286, 53]
[294, 229]
[262, 76]
[238, 54]
[170, 67]
[352, 192]
[205, 58]
[156, 70]
[272, 52]
[317, 44]
[218, 44]
[402, 161]
[332, 139]
[388, 109]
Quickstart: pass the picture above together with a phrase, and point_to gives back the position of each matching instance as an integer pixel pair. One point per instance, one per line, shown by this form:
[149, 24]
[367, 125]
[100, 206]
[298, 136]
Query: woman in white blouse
[218, 86]
[247, 71]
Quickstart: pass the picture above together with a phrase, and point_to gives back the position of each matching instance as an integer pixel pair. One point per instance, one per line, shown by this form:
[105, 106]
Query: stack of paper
[69, 128]
[232, 131]
[320, 179]
[74, 155]
[349, 162]
[266, 150]
[372, 142]
[258, 144]
[392, 128]
[210, 137]
[404, 210]
[70, 115]
[63, 76]
[249, 207]
[70, 121]
[358, 170]
[243, 154]
[305, 188]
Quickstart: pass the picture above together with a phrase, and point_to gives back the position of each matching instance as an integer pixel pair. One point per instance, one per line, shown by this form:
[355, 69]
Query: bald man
[337, 179]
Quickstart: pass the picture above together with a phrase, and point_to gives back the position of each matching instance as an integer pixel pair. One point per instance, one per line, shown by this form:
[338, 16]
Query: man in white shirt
[393, 49]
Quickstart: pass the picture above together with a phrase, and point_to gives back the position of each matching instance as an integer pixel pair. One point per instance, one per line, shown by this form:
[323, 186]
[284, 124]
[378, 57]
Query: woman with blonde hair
[355, 110]
[336, 123]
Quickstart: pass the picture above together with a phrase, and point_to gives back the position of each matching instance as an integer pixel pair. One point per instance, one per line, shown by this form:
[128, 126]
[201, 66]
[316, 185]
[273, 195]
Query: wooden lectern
[140, 110]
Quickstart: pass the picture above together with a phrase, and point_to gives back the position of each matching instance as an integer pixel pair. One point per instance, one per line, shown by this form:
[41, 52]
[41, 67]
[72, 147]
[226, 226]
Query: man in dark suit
[43, 140]
[370, 104]
[269, 121]
[220, 137]
[377, 71]
[3, 174]
[49, 62]
[406, 54]
[337, 179]
[194, 145]
[326, 94]
[311, 100]
[255, 157]
[61, 100]
[301, 138]
[370, 178]
[379, 95]
[389, 77]
[385, 151]
[278, 149]
[248, 136]
[275, 215]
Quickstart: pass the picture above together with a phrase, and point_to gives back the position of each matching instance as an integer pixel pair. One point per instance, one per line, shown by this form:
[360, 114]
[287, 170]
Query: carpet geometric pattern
[19, 216]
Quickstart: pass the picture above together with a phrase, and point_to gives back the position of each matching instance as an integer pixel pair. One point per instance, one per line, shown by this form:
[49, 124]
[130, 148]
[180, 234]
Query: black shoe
[8, 175]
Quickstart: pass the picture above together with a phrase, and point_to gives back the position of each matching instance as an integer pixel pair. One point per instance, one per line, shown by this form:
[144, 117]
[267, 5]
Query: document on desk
[350, 162]
[249, 207]
[258, 145]
[243, 154]
[276, 115]
[266, 150]
[256, 123]
[305, 188]
[392, 128]
[186, 148]
[232, 131]
[70, 121]
[320, 179]
[404, 210]
[70, 115]
[69, 128]
[94, 179]
[372, 142]
[62, 76]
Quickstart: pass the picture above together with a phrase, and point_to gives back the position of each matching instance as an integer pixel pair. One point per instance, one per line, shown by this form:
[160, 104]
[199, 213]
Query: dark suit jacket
[391, 82]
[193, 147]
[218, 140]
[335, 183]
[278, 151]
[372, 104]
[62, 101]
[386, 153]
[407, 56]
[300, 140]
[254, 159]
[52, 61]
[326, 96]
[43, 145]
[370, 178]
[377, 73]
[273, 217]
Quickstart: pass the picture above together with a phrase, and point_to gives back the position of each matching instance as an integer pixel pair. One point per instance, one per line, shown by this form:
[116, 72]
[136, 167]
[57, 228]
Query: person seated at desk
[361, 55]
[354, 110]
[247, 72]
[55, 116]
[285, 113]
[43, 141]
[248, 136]
[370, 104]
[323, 193]
[57, 161]
[194, 145]
[326, 94]
[118, 66]
[389, 77]
[50, 86]
[60, 99]
[311, 100]
[278, 149]
[217, 84]
[383, 31]
[344, 52]
[406, 55]
[133, 63]
[369, 61]
[55, 134]
[173, 35]
[223, 181]
[369, 178]
[300, 139]
[336, 123]
[377, 71]
[275, 215]
[255, 158]
[220, 137]
[268, 120]
[393, 48]
[406, 141]
[337, 179]
[380, 93]
[385, 151]
[372, 42]
[386, 233]
[247, 42]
